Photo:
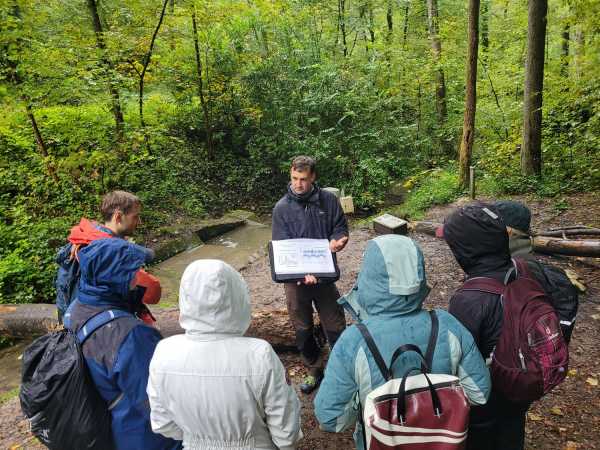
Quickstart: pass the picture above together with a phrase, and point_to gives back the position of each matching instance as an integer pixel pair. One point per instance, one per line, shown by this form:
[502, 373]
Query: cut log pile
[562, 241]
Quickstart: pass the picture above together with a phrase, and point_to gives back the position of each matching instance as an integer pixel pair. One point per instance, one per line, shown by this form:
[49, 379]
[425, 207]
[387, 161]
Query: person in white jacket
[213, 388]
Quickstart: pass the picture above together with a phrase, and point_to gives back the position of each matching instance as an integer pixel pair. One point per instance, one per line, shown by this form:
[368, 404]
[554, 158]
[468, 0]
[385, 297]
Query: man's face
[302, 181]
[127, 223]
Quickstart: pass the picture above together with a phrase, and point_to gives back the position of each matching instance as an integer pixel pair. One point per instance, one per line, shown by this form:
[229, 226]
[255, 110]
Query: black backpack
[58, 395]
[562, 293]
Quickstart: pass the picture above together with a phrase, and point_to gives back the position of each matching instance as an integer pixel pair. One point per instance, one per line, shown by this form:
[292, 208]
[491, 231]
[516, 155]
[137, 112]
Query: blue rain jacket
[118, 354]
[388, 298]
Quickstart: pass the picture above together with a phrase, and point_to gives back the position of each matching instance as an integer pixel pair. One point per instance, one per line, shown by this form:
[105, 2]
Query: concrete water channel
[237, 247]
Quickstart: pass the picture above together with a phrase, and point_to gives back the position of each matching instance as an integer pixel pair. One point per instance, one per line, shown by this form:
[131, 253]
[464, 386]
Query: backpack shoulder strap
[385, 372]
[432, 339]
[483, 284]
[98, 321]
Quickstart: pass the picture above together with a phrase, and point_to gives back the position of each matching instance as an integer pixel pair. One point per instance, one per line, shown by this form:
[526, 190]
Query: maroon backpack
[531, 356]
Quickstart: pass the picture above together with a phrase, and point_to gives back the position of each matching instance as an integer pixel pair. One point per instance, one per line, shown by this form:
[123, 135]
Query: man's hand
[338, 245]
[308, 279]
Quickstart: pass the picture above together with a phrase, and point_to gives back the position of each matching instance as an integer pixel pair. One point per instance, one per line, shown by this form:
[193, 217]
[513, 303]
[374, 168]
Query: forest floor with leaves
[566, 419]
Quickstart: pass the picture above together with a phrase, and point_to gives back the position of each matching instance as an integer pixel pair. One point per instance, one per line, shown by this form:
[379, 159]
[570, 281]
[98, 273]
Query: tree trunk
[466, 145]
[531, 150]
[389, 17]
[147, 62]
[436, 47]
[405, 28]
[342, 25]
[203, 101]
[565, 51]
[41, 145]
[371, 24]
[579, 51]
[108, 67]
[485, 27]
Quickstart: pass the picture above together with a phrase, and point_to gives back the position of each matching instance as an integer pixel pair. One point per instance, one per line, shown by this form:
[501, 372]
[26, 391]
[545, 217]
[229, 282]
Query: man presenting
[306, 211]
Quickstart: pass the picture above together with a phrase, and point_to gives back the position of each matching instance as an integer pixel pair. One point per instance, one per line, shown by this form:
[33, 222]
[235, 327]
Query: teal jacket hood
[391, 281]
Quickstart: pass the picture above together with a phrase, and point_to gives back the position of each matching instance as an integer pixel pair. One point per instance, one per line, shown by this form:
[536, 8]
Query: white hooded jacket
[213, 388]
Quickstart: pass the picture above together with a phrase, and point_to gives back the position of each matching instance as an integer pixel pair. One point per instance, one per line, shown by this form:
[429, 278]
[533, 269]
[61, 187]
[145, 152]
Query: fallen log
[541, 244]
[424, 227]
[571, 232]
[572, 247]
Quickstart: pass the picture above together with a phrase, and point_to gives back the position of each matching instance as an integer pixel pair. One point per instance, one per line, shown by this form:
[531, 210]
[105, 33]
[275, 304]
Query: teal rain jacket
[388, 298]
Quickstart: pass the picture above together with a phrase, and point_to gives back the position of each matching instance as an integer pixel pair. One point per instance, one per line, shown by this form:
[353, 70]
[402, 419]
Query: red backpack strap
[483, 284]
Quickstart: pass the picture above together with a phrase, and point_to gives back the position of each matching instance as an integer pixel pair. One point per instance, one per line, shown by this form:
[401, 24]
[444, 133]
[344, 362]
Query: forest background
[198, 105]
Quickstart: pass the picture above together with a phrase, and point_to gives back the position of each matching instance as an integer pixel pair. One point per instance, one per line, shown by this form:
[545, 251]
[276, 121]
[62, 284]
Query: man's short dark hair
[302, 163]
[118, 200]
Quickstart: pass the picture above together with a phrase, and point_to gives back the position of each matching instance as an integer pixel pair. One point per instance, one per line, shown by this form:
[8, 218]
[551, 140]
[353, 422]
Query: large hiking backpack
[415, 411]
[531, 356]
[562, 293]
[58, 396]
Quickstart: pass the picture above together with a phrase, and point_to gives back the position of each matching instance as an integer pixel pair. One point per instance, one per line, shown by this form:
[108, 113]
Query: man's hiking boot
[311, 382]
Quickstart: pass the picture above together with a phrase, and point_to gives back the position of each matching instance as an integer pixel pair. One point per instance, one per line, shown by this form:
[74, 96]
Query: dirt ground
[568, 418]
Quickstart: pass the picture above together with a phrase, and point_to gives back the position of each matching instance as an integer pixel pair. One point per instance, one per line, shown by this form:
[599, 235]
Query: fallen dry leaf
[592, 381]
[572, 372]
[534, 417]
[595, 316]
[570, 445]
[557, 411]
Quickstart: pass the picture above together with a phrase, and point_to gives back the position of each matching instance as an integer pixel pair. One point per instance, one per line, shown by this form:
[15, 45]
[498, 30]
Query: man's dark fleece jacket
[314, 215]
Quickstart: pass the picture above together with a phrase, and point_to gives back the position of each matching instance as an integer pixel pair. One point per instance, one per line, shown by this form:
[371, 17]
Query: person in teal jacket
[388, 298]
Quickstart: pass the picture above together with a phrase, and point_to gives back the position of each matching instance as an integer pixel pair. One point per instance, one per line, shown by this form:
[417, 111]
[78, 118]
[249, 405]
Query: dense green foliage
[276, 81]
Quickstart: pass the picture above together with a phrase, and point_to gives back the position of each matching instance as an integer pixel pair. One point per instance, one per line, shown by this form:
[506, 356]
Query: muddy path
[567, 418]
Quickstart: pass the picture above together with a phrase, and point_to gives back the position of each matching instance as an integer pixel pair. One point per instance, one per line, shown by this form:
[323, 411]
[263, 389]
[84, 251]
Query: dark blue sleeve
[338, 218]
[279, 228]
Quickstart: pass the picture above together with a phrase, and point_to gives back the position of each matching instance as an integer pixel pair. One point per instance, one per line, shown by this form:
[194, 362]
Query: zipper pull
[523, 366]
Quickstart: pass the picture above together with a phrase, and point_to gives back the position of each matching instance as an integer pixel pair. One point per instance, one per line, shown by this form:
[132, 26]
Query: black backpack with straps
[58, 396]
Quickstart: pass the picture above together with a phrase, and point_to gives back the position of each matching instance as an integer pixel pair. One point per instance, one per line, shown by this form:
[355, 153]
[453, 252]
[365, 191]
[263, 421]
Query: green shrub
[436, 187]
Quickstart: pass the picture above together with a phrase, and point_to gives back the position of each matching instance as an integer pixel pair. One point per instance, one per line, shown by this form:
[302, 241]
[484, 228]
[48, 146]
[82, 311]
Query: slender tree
[203, 100]
[485, 27]
[440, 91]
[389, 18]
[108, 67]
[436, 47]
[565, 50]
[466, 144]
[342, 25]
[405, 28]
[147, 58]
[531, 150]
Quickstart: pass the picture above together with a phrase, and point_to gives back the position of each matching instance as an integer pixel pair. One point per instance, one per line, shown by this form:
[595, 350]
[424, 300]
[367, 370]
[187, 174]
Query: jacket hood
[391, 280]
[87, 231]
[107, 268]
[213, 299]
[477, 236]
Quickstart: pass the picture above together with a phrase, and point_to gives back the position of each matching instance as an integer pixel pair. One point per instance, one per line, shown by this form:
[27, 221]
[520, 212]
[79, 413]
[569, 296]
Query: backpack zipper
[523, 366]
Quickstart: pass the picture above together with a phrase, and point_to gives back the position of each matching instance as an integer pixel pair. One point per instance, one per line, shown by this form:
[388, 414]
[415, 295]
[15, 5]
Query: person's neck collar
[302, 197]
[110, 228]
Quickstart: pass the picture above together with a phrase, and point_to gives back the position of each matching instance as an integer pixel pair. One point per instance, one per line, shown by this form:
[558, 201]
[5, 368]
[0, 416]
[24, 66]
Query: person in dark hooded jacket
[478, 238]
[118, 354]
[306, 211]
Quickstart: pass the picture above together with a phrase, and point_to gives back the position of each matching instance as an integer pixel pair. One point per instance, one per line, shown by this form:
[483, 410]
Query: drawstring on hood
[213, 300]
[391, 281]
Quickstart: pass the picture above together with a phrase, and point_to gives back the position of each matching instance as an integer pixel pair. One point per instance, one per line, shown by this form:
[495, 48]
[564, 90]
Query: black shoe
[311, 382]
